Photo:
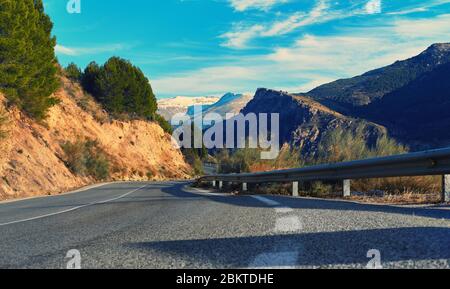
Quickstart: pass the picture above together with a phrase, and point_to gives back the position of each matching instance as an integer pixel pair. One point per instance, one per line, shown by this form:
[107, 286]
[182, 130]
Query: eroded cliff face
[32, 161]
[303, 121]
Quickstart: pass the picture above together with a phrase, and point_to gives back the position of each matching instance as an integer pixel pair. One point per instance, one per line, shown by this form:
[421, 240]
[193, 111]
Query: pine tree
[28, 66]
[73, 72]
[89, 78]
[121, 87]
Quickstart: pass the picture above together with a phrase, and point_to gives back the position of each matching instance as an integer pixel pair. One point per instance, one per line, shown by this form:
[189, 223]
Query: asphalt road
[165, 225]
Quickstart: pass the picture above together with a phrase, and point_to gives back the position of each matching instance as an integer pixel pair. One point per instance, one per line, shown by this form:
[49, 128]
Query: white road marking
[72, 209]
[267, 201]
[284, 210]
[83, 189]
[205, 192]
[289, 224]
[282, 256]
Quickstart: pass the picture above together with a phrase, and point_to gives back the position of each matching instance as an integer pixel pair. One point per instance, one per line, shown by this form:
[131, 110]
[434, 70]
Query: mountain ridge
[408, 100]
[344, 95]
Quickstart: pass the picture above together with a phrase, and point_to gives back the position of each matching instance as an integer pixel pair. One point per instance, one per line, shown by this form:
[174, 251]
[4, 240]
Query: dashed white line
[289, 224]
[282, 256]
[284, 210]
[71, 209]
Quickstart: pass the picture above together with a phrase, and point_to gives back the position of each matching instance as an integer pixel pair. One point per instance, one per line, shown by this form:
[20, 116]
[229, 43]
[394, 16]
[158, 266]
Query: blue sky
[209, 47]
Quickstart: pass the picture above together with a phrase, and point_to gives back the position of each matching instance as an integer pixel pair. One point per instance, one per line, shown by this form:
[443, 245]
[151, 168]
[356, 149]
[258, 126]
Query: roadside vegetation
[73, 72]
[121, 88]
[335, 146]
[3, 123]
[86, 158]
[28, 66]
[194, 156]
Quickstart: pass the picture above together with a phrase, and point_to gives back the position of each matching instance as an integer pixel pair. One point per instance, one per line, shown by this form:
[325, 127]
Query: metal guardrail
[427, 163]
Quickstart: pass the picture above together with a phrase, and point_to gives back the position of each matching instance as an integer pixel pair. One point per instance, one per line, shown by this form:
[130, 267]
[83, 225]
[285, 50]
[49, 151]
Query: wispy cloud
[423, 7]
[312, 60]
[206, 81]
[373, 7]
[77, 51]
[241, 34]
[242, 5]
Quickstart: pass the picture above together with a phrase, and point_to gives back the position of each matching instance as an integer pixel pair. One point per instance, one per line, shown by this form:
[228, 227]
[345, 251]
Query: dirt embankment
[32, 161]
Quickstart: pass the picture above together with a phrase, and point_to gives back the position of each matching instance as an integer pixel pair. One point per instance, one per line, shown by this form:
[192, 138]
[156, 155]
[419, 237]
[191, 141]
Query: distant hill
[345, 94]
[409, 100]
[418, 113]
[303, 121]
[180, 104]
[229, 103]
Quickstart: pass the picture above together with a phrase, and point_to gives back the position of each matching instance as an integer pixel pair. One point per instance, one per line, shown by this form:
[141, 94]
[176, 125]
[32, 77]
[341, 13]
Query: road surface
[167, 225]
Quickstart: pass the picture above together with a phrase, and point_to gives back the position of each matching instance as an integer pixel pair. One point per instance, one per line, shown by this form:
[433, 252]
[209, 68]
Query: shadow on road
[314, 249]
[316, 204]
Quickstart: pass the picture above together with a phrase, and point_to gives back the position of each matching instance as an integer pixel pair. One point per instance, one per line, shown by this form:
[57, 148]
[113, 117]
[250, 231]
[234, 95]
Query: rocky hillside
[304, 121]
[409, 98]
[32, 161]
[346, 94]
[419, 113]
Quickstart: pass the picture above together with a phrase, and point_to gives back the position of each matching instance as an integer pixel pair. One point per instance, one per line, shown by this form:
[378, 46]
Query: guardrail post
[295, 189]
[347, 188]
[244, 187]
[446, 188]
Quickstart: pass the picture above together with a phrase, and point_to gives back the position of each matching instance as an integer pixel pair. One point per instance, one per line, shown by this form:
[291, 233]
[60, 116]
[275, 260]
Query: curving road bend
[168, 225]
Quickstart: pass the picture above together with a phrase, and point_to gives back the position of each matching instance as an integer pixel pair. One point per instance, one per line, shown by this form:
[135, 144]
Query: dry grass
[405, 199]
[417, 190]
[400, 186]
[3, 122]
[85, 101]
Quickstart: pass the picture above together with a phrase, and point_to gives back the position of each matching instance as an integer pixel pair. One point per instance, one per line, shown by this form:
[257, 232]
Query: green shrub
[192, 158]
[28, 66]
[86, 158]
[341, 145]
[121, 88]
[321, 189]
[335, 146]
[163, 123]
[73, 72]
[89, 78]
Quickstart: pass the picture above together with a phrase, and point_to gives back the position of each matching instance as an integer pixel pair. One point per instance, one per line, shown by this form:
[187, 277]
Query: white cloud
[422, 8]
[313, 60]
[241, 34]
[60, 49]
[373, 7]
[242, 5]
[77, 51]
[357, 50]
[206, 81]
[316, 15]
